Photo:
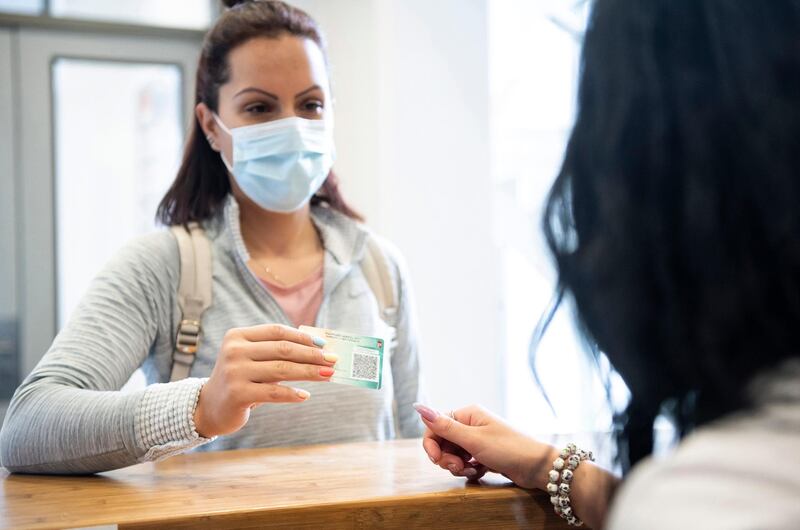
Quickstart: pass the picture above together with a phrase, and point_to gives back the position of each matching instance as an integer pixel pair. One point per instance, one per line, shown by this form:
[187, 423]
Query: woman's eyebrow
[254, 89]
[306, 91]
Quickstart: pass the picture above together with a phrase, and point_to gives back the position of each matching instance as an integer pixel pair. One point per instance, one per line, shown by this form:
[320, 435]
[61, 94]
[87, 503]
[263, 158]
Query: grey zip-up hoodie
[69, 416]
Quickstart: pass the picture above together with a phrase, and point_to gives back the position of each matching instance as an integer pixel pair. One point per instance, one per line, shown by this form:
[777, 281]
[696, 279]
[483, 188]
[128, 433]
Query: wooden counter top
[364, 485]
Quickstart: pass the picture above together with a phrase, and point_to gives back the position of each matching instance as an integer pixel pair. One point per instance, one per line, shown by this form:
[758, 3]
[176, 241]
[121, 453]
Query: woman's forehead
[286, 62]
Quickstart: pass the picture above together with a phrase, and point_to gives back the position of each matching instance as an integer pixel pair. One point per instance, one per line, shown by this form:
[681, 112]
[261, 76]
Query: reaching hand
[471, 441]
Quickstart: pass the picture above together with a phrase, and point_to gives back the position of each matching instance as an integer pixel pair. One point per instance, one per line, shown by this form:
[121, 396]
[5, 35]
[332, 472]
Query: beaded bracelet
[564, 469]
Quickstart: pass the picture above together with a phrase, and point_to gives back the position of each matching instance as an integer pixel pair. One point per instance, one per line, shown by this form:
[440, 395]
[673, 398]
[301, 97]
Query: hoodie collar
[342, 237]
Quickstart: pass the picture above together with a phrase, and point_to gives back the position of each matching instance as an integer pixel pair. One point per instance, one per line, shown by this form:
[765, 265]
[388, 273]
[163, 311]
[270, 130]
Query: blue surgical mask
[281, 164]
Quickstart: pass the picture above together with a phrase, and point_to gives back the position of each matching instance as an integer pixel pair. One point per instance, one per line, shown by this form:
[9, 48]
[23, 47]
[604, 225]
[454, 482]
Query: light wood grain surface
[366, 485]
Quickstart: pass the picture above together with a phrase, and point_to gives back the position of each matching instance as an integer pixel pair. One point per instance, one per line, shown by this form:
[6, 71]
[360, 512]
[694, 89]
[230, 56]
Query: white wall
[412, 118]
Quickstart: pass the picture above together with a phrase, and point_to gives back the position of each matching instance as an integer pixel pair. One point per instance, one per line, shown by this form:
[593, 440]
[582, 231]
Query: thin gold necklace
[269, 271]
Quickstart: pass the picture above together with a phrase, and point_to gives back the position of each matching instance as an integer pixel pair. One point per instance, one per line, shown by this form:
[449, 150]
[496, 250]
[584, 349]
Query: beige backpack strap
[376, 271]
[194, 295]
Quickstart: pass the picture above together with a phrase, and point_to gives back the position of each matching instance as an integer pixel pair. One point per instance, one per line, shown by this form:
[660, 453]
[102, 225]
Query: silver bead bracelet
[560, 479]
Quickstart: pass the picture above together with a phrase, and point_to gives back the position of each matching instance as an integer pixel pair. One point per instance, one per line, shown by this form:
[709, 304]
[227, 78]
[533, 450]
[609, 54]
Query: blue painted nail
[319, 342]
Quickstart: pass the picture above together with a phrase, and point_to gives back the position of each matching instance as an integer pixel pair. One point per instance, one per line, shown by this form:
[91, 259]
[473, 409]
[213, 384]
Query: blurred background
[451, 118]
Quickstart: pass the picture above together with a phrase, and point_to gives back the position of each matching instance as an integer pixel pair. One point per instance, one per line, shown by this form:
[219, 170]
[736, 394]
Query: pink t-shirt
[300, 301]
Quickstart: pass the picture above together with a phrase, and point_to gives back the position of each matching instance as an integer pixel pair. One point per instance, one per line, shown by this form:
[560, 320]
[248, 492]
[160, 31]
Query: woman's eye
[315, 107]
[256, 109]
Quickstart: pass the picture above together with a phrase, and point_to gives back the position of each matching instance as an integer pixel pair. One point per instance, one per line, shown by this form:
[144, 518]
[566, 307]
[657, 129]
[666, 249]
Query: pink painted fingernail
[325, 371]
[427, 413]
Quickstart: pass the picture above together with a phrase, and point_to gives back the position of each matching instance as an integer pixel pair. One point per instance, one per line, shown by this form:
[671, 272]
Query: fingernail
[470, 472]
[326, 372]
[319, 342]
[432, 459]
[453, 468]
[330, 357]
[302, 394]
[425, 412]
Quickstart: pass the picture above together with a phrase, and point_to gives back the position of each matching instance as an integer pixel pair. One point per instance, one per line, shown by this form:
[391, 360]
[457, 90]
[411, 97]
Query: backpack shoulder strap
[194, 294]
[376, 271]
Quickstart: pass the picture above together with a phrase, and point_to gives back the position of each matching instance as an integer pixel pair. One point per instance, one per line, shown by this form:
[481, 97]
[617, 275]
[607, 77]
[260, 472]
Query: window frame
[36, 48]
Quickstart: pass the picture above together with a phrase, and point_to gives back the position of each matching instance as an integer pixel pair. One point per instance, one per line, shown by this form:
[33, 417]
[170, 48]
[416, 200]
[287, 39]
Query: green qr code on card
[360, 358]
[366, 364]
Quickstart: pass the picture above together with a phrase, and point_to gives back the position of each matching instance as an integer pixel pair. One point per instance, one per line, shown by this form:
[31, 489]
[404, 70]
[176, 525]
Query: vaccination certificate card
[360, 358]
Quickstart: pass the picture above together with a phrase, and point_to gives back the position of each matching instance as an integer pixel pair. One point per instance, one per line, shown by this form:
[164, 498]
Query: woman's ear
[205, 117]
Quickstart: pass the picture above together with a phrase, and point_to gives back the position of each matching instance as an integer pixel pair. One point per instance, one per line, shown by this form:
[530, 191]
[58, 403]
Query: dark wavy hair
[201, 185]
[675, 219]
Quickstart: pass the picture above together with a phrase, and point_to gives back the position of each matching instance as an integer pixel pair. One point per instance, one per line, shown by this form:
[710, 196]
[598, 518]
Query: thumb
[445, 426]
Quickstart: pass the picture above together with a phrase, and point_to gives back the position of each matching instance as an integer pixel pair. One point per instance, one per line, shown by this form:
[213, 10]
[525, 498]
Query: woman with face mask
[286, 251]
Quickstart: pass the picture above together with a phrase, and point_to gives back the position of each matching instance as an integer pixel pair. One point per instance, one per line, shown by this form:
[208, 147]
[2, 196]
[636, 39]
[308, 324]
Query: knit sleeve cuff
[165, 419]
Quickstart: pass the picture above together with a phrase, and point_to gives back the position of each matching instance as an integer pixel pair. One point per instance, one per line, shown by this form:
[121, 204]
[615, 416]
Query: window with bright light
[25, 7]
[534, 56]
[194, 14]
[118, 132]
[187, 14]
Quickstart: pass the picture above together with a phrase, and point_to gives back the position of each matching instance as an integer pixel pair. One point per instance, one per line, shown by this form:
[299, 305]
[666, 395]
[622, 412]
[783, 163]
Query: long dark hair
[675, 219]
[202, 184]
